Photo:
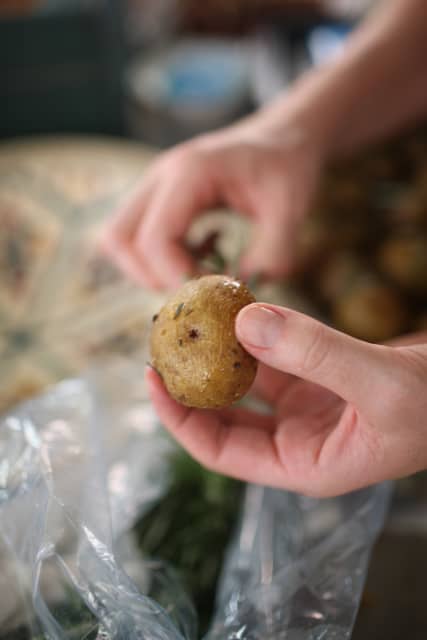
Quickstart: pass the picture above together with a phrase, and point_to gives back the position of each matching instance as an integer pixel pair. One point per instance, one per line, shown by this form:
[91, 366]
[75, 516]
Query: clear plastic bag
[79, 464]
[297, 566]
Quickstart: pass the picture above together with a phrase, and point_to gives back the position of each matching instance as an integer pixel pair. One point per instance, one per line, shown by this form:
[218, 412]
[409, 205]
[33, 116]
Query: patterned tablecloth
[61, 302]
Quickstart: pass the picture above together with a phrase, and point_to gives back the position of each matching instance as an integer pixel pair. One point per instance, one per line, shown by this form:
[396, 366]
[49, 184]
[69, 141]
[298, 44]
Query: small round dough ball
[194, 347]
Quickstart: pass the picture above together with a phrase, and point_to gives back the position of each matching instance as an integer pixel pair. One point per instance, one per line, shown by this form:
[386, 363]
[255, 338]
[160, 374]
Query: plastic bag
[297, 566]
[79, 464]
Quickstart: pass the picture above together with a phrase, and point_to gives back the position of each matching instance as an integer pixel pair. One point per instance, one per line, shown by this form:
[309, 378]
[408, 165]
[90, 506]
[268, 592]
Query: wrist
[308, 115]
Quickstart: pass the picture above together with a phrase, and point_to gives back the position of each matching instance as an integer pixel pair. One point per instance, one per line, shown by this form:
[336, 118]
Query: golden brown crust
[194, 347]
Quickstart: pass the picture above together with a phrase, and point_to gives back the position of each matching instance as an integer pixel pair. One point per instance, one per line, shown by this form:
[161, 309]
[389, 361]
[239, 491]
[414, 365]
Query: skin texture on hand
[267, 166]
[345, 413]
[270, 183]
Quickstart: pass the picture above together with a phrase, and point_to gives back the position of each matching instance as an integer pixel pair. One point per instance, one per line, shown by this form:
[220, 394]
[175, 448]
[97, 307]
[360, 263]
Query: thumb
[295, 343]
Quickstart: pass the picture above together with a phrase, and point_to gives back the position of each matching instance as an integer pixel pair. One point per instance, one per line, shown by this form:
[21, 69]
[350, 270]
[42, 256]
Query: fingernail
[260, 327]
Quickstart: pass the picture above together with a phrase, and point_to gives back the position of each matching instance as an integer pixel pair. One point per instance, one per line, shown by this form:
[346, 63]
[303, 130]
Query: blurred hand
[346, 413]
[268, 178]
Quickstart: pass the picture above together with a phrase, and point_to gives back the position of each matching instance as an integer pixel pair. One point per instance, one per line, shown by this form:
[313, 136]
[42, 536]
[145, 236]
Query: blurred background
[157, 72]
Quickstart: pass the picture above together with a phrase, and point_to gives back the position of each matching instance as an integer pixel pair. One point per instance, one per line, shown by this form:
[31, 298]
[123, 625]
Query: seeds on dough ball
[194, 347]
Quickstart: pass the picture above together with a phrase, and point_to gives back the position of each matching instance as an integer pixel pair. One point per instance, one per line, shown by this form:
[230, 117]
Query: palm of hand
[309, 430]
[313, 430]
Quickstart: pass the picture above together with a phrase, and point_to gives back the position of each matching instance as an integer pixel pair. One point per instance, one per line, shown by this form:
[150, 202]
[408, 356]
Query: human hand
[345, 413]
[266, 177]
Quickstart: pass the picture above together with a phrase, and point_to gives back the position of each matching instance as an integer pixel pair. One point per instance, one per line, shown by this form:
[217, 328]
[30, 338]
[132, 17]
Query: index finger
[124, 222]
[181, 197]
[116, 239]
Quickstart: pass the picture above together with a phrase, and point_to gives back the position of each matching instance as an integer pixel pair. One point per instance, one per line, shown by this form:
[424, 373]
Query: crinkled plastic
[297, 566]
[79, 464]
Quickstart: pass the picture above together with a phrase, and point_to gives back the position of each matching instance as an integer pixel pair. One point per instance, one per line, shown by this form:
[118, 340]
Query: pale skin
[345, 413]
